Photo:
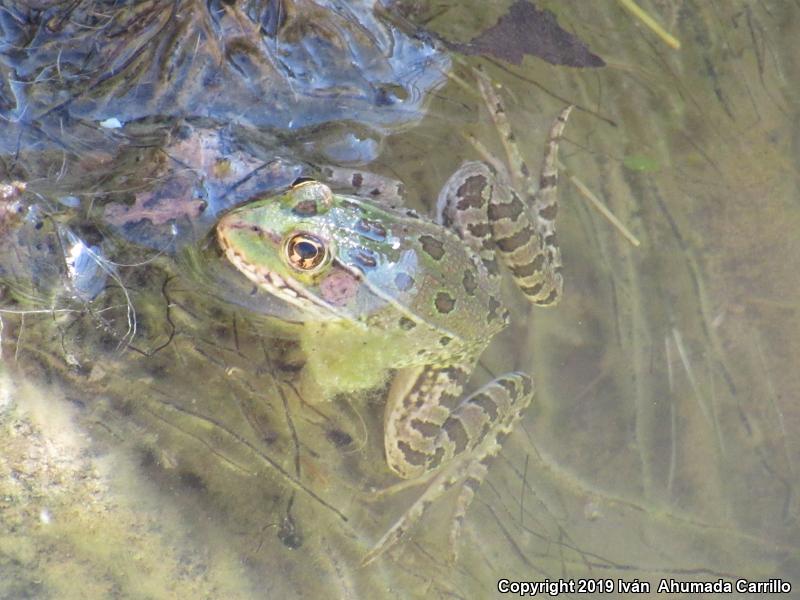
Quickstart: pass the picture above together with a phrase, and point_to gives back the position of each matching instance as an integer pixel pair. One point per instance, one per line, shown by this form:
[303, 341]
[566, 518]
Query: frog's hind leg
[525, 233]
[492, 411]
[462, 207]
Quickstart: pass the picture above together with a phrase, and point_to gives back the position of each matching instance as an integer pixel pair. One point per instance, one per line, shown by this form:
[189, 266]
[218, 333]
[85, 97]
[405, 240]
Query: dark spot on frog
[548, 181]
[509, 385]
[444, 302]
[444, 340]
[433, 247]
[549, 212]
[406, 324]
[471, 193]
[450, 401]
[530, 268]
[364, 258]
[428, 430]
[437, 459]
[551, 240]
[457, 433]
[508, 210]
[469, 282]
[479, 230]
[338, 438]
[517, 240]
[403, 282]
[358, 180]
[532, 290]
[412, 456]
[373, 229]
[305, 208]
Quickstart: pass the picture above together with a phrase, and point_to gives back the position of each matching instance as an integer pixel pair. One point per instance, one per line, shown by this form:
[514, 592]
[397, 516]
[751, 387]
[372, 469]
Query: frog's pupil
[306, 250]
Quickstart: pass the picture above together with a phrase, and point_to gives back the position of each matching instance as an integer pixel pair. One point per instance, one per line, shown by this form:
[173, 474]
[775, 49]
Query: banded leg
[529, 247]
[463, 445]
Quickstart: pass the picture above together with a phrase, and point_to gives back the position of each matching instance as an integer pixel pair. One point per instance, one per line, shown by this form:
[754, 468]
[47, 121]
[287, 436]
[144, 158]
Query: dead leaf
[156, 207]
[526, 30]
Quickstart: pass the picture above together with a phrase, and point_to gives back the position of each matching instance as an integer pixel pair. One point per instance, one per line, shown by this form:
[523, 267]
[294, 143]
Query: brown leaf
[526, 30]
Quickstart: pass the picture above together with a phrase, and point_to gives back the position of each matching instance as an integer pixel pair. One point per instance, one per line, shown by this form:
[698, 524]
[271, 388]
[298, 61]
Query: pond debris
[527, 31]
[154, 207]
[111, 123]
[11, 191]
[651, 23]
[600, 207]
[83, 266]
[10, 206]
[202, 173]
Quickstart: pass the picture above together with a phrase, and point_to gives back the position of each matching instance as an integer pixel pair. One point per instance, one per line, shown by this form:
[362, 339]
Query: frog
[425, 292]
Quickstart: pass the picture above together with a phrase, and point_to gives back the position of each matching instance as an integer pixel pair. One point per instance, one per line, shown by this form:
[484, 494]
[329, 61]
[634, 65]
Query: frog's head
[286, 245]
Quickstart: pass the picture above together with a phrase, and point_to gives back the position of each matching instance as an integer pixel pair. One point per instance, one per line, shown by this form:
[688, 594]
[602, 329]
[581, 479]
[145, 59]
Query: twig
[651, 23]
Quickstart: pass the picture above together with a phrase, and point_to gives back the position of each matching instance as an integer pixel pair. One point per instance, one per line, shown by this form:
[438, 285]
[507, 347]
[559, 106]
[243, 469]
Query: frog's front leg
[428, 426]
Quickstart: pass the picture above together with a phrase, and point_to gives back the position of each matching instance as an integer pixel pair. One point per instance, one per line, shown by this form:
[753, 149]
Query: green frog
[417, 296]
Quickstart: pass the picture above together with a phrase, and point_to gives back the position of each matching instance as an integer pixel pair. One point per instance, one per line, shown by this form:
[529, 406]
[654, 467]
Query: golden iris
[305, 252]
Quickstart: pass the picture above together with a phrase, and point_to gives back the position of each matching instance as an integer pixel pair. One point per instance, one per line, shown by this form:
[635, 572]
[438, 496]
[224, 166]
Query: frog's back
[438, 286]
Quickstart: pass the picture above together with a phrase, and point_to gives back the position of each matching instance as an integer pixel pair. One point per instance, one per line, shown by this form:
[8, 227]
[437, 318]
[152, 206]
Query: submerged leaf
[526, 30]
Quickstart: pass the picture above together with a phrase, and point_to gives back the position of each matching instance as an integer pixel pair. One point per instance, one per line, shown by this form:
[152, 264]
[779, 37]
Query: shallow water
[663, 439]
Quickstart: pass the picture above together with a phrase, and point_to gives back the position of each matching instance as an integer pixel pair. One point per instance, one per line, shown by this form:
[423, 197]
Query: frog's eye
[305, 252]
